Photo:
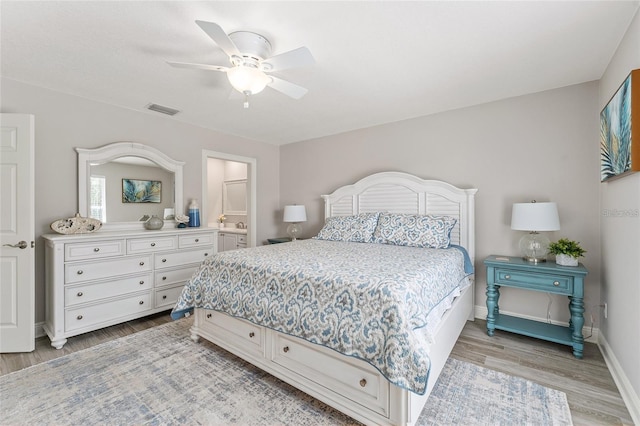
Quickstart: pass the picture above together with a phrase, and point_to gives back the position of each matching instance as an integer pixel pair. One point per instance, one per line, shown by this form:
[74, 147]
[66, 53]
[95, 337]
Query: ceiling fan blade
[300, 57]
[289, 89]
[198, 66]
[221, 38]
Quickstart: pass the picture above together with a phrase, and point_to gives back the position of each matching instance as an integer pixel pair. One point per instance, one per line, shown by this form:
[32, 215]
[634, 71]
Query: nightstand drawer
[534, 281]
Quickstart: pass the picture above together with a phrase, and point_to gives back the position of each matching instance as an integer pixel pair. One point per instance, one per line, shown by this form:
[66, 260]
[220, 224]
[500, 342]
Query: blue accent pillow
[414, 230]
[357, 228]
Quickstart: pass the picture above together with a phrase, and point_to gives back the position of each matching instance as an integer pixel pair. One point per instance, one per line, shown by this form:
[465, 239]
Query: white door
[17, 231]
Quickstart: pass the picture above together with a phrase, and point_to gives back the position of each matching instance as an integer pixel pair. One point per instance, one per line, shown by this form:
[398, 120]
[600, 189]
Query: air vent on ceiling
[162, 109]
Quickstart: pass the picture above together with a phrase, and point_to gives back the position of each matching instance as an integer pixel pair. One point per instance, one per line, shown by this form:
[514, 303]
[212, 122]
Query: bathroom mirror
[125, 164]
[234, 197]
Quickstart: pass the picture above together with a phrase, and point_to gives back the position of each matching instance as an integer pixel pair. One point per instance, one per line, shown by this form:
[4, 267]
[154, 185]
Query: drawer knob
[97, 249]
[141, 302]
[252, 334]
[507, 277]
[164, 297]
[141, 282]
[285, 349]
[80, 272]
[164, 278]
[80, 294]
[363, 382]
[556, 283]
[208, 315]
[153, 244]
[141, 263]
[79, 317]
[206, 254]
[197, 240]
[164, 260]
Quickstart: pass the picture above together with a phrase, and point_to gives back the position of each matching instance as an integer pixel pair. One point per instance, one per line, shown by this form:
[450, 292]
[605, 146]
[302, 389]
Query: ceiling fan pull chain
[246, 98]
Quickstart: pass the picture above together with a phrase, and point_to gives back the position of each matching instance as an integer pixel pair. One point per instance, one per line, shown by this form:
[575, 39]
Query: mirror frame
[225, 198]
[106, 153]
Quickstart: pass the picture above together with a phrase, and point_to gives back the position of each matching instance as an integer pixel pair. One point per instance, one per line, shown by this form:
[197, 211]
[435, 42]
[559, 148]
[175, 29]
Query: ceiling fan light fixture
[245, 79]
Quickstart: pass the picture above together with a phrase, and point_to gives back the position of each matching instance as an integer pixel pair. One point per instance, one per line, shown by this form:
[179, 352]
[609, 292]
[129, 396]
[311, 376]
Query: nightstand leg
[576, 306]
[492, 307]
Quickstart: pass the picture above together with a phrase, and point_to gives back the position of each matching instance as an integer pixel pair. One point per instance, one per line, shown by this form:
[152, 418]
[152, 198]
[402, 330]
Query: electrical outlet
[606, 310]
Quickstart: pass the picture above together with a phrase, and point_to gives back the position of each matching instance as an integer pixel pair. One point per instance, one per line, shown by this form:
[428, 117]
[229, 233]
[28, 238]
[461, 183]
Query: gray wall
[64, 122]
[542, 146]
[621, 236]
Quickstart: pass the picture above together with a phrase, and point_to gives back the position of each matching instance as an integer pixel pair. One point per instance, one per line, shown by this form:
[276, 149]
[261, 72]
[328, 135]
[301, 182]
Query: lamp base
[534, 247]
[294, 230]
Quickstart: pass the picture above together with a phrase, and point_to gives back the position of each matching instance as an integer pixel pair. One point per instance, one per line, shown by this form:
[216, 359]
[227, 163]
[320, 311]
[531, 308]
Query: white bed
[346, 383]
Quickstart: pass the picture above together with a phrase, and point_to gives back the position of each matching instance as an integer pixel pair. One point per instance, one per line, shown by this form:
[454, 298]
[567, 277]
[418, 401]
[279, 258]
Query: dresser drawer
[169, 260]
[168, 296]
[235, 331]
[174, 276]
[242, 239]
[151, 244]
[196, 240]
[364, 384]
[87, 316]
[91, 292]
[87, 271]
[93, 250]
[535, 280]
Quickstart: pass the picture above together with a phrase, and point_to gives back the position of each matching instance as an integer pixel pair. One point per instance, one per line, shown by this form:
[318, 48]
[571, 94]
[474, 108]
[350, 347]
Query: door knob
[20, 245]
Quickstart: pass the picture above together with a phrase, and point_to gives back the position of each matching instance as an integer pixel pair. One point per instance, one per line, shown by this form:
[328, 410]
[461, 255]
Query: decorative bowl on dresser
[97, 280]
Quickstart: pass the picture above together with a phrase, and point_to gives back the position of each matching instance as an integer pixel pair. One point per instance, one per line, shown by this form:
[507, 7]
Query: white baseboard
[40, 330]
[590, 336]
[629, 396]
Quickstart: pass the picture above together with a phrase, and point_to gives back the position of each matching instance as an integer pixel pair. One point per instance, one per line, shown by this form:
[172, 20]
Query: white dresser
[97, 280]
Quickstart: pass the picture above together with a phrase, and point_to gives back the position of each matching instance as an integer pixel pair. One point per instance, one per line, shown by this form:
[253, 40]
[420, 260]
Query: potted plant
[221, 220]
[567, 252]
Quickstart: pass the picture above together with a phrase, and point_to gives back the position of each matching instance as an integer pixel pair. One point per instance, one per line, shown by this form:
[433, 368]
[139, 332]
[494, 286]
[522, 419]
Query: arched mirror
[124, 182]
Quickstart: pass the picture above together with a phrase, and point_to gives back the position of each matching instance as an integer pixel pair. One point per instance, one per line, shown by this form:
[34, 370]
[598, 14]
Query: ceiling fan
[249, 54]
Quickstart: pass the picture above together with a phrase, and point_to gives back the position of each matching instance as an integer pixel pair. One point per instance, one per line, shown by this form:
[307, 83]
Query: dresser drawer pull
[507, 277]
[141, 302]
[251, 334]
[153, 244]
[164, 260]
[208, 315]
[79, 317]
[363, 382]
[556, 283]
[197, 240]
[97, 249]
[164, 297]
[164, 278]
[206, 254]
[141, 282]
[80, 294]
[141, 263]
[285, 349]
[80, 272]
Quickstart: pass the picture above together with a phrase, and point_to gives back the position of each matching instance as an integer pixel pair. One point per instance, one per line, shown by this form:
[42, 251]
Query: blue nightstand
[505, 271]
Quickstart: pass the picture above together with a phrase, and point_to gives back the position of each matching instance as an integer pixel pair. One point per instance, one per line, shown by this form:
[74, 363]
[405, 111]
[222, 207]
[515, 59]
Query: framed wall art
[619, 140]
[141, 191]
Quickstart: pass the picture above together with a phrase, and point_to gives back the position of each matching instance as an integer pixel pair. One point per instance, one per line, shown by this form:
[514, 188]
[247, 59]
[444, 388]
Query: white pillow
[358, 228]
[414, 230]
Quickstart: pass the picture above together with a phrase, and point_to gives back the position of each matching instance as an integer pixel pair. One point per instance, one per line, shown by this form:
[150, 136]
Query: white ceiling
[377, 62]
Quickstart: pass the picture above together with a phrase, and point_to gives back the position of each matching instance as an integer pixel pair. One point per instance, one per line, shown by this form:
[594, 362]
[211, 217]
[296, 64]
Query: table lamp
[535, 218]
[294, 214]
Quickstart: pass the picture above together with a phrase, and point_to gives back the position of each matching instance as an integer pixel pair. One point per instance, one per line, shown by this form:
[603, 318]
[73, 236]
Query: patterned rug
[160, 377]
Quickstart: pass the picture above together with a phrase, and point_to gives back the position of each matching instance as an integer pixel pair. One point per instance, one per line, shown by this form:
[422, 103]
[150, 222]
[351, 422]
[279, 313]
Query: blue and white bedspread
[369, 301]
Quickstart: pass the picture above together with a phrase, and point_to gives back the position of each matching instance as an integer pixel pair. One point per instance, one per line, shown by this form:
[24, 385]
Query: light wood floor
[592, 394]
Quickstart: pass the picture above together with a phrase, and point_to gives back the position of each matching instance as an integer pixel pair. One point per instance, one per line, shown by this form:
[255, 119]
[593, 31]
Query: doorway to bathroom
[229, 190]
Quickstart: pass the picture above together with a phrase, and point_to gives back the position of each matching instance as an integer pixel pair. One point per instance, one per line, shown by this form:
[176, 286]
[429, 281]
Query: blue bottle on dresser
[194, 214]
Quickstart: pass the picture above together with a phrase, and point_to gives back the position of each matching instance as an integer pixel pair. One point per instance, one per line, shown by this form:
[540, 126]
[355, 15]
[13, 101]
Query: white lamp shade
[295, 213]
[535, 217]
[247, 79]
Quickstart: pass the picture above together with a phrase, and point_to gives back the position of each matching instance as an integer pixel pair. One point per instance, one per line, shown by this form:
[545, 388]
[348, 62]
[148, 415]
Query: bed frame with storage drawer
[346, 383]
[97, 280]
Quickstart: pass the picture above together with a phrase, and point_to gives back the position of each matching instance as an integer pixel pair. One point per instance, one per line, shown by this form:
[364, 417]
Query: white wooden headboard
[398, 192]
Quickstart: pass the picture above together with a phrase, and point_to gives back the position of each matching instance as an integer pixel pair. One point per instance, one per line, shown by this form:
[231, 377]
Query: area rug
[160, 377]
